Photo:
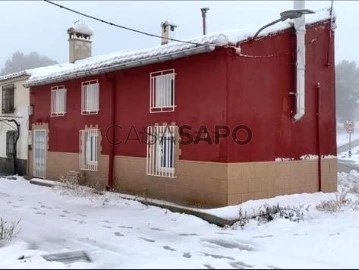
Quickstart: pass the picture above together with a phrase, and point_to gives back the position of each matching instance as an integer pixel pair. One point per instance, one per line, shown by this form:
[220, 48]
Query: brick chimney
[79, 41]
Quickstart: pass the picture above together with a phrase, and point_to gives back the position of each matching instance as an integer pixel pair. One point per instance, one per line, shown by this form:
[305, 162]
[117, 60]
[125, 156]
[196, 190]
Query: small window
[58, 100]
[90, 97]
[89, 149]
[161, 151]
[8, 98]
[10, 143]
[162, 91]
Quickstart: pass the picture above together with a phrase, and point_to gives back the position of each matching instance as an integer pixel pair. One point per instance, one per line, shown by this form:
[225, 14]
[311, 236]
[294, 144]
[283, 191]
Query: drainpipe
[318, 140]
[299, 25]
[112, 135]
[330, 33]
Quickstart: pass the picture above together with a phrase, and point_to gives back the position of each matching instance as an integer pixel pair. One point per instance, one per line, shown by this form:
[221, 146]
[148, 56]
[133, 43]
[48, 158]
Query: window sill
[58, 114]
[89, 112]
[163, 109]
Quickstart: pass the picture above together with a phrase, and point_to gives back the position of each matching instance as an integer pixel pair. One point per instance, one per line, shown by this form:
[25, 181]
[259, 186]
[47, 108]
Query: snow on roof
[13, 75]
[81, 27]
[114, 60]
[31, 72]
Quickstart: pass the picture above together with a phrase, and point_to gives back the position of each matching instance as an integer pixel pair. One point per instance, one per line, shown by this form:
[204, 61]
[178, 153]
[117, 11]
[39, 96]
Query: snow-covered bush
[337, 204]
[267, 213]
[8, 230]
[243, 218]
[70, 186]
[329, 206]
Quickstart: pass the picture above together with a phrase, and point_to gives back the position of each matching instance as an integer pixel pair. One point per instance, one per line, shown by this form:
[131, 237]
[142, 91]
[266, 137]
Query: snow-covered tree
[19, 61]
[347, 89]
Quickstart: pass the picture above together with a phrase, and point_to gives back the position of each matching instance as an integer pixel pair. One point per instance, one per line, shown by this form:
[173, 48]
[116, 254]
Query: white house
[14, 120]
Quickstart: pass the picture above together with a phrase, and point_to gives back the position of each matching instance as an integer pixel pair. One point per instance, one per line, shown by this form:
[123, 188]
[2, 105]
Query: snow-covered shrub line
[267, 213]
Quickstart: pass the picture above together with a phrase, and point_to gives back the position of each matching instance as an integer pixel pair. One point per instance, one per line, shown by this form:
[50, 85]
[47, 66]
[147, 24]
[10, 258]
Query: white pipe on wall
[299, 25]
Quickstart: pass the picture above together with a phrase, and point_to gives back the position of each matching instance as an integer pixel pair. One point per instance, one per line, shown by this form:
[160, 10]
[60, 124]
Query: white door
[39, 158]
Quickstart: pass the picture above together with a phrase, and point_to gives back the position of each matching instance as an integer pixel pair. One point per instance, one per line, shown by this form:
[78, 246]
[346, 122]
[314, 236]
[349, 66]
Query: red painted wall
[217, 88]
[200, 99]
[259, 97]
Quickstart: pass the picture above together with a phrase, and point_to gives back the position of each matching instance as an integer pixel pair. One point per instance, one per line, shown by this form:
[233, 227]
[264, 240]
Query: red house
[217, 120]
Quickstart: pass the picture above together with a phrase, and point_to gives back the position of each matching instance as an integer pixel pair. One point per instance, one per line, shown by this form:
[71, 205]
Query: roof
[13, 75]
[126, 59]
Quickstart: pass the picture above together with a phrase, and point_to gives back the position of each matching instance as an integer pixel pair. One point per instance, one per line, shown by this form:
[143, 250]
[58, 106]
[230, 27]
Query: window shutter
[3, 109]
[11, 99]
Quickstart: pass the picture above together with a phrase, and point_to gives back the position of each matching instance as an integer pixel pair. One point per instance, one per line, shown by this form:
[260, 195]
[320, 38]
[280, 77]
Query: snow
[81, 27]
[354, 159]
[121, 233]
[13, 75]
[306, 157]
[229, 37]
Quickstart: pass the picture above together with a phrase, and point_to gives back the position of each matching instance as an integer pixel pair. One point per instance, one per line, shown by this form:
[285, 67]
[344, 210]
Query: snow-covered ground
[119, 233]
[354, 155]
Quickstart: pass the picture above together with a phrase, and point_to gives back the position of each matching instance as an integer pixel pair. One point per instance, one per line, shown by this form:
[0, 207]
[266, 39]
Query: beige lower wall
[58, 164]
[196, 183]
[258, 180]
[218, 184]
[203, 184]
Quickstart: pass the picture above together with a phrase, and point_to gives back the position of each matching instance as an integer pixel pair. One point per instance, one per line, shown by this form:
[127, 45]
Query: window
[162, 91]
[8, 98]
[89, 149]
[161, 151]
[90, 97]
[58, 100]
[10, 143]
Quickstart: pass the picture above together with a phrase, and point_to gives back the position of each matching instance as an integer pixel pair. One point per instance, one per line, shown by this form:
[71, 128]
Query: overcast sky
[39, 26]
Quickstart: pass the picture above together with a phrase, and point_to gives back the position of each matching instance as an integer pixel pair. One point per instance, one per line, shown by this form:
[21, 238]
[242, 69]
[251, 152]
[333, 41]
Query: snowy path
[117, 233]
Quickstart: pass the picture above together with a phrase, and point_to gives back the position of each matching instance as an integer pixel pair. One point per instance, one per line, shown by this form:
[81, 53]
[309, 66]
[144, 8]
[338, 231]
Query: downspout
[330, 33]
[112, 134]
[318, 139]
[299, 25]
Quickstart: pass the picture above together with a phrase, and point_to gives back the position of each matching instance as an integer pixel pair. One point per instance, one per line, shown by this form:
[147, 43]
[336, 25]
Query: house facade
[210, 122]
[14, 121]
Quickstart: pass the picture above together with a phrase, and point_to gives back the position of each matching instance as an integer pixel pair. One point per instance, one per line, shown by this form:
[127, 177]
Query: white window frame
[162, 91]
[161, 156]
[58, 100]
[90, 97]
[89, 154]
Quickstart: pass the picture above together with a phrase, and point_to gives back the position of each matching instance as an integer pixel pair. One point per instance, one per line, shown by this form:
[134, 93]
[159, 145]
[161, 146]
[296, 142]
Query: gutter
[136, 63]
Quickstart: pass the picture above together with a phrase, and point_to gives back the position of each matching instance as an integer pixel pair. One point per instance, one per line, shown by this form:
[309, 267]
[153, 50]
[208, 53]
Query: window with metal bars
[8, 98]
[90, 92]
[58, 100]
[10, 143]
[162, 91]
[161, 151]
[89, 149]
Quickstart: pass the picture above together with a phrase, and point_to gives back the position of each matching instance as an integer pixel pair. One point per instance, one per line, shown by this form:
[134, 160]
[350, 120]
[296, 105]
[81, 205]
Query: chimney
[204, 11]
[79, 41]
[166, 28]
